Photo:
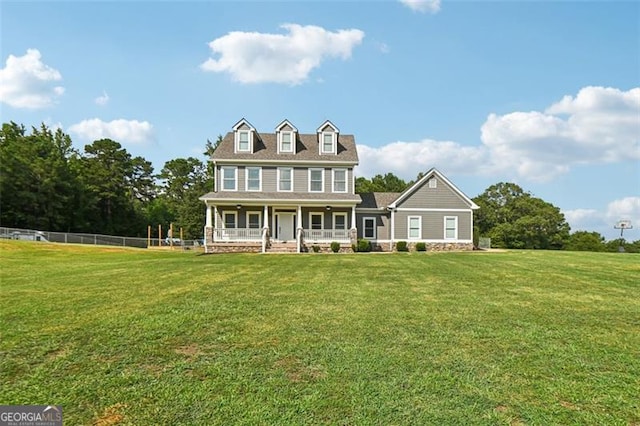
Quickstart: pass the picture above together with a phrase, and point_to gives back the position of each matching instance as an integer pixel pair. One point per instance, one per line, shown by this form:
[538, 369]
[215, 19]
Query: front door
[285, 226]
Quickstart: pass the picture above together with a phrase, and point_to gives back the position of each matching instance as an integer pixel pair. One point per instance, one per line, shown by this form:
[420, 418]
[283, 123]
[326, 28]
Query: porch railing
[237, 234]
[326, 235]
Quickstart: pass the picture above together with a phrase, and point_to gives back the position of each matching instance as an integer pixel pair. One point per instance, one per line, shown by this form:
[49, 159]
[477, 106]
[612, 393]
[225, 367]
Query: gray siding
[432, 224]
[442, 197]
[286, 128]
[382, 225]
[244, 127]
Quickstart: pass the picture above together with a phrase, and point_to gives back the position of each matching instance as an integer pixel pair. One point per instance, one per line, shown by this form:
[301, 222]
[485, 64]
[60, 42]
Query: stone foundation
[436, 247]
[234, 248]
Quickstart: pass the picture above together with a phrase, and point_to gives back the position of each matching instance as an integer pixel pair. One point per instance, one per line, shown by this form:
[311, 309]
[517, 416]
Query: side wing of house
[433, 211]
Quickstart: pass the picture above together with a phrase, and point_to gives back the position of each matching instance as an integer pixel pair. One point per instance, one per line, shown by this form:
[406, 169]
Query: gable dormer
[286, 135]
[243, 136]
[328, 138]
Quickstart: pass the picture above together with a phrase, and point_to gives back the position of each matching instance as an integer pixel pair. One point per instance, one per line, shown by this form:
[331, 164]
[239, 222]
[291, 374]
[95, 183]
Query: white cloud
[123, 131]
[102, 99]
[599, 125]
[252, 57]
[602, 221]
[383, 47]
[26, 82]
[626, 208]
[423, 6]
[407, 159]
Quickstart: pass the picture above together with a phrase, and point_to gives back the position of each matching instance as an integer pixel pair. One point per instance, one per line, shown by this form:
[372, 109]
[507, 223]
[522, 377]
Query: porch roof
[229, 197]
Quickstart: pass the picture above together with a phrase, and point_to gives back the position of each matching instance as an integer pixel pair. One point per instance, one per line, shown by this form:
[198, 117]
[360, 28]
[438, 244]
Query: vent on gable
[433, 183]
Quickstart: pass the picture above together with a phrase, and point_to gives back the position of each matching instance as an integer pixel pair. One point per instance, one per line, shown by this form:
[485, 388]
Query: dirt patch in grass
[190, 351]
[111, 416]
[297, 372]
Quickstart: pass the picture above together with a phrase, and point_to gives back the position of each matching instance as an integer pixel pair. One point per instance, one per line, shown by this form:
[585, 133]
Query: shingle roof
[377, 200]
[265, 148]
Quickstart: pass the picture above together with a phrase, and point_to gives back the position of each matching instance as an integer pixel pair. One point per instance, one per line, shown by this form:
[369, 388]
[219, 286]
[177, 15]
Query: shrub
[364, 245]
[402, 246]
[421, 246]
[335, 246]
[315, 249]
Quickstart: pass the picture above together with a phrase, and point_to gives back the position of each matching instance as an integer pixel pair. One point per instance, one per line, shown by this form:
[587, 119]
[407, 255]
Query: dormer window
[327, 143]
[286, 142]
[243, 141]
[286, 137]
[243, 135]
[328, 138]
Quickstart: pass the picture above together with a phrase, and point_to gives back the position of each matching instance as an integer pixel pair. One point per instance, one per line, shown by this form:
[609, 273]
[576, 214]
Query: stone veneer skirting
[326, 247]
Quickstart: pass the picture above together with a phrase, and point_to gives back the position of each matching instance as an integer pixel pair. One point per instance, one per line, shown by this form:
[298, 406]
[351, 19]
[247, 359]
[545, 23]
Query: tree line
[47, 184]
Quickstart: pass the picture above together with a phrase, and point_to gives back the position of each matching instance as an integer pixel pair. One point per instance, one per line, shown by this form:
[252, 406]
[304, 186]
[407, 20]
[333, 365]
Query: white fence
[326, 235]
[94, 239]
[237, 234]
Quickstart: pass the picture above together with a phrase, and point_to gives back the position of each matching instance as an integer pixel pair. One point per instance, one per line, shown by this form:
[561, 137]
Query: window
[230, 219]
[285, 179]
[286, 142]
[369, 227]
[415, 227]
[340, 221]
[339, 180]
[243, 141]
[327, 143]
[253, 220]
[316, 220]
[254, 181]
[316, 180]
[433, 183]
[229, 175]
[450, 227]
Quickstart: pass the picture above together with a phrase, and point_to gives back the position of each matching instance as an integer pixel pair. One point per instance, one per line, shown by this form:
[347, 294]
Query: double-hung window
[328, 143]
[229, 178]
[316, 220]
[243, 141]
[285, 179]
[415, 227]
[286, 142]
[316, 180]
[450, 227]
[340, 225]
[339, 180]
[253, 220]
[254, 181]
[230, 220]
[369, 227]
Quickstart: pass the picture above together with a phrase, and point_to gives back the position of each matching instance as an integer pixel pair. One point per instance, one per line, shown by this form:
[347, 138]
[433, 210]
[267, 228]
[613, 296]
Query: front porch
[277, 228]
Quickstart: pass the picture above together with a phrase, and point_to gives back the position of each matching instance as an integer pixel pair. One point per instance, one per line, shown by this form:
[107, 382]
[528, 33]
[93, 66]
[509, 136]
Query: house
[289, 191]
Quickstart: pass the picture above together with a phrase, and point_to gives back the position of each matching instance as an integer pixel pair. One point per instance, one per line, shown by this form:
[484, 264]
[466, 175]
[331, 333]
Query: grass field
[125, 336]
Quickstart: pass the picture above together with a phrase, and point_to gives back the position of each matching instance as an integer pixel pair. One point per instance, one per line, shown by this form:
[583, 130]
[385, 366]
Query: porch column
[266, 217]
[265, 227]
[215, 221]
[353, 217]
[298, 228]
[393, 228]
[209, 220]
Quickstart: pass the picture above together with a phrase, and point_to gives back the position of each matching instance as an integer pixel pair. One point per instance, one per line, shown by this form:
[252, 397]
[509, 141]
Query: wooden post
[159, 235]
[148, 235]
[171, 234]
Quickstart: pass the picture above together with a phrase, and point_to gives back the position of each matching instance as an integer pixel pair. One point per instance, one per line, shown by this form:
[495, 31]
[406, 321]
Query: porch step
[277, 247]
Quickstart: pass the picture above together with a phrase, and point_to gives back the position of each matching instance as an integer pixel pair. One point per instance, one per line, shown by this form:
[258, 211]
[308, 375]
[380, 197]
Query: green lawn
[125, 336]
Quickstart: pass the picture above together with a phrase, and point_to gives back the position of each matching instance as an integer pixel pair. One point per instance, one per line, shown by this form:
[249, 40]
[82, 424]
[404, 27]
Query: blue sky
[544, 94]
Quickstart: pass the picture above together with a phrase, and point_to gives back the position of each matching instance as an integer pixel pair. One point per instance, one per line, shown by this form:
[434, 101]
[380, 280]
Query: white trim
[278, 179]
[421, 181]
[433, 183]
[371, 210]
[292, 139]
[280, 202]
[235, 220]
[309, 178]
[235, 178]
[454, 238]
[333, 180]
[325, 124]
[249, 141]
[311, 214]
[246, 179]
[409, 237]
[364, 228]
[408, 209]
[325, 163]
[333, 143]
[346, 223]
[250, 212]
